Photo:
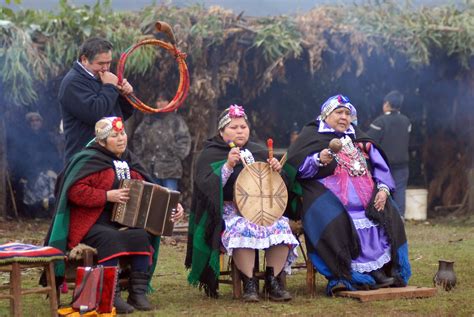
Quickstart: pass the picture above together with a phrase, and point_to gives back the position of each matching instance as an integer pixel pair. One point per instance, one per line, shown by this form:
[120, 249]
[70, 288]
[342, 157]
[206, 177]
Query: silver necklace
[351, 158]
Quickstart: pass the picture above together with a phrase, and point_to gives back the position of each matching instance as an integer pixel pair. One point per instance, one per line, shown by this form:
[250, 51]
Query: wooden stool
[230, 274]
[81, 255]
[14, 262]
[84, 255]
[235, 279]
[298, 231]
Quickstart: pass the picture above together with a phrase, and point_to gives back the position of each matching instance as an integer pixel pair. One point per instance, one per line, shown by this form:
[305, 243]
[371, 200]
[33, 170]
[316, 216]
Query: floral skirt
[241, 233]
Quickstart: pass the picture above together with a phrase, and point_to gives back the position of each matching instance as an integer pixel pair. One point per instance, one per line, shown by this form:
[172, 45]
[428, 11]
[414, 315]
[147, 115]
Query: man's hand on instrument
[275, 164]
[108, 78]
[118, 195]
[233, 157]
[125, 88]
[325, 157]
[178, 214]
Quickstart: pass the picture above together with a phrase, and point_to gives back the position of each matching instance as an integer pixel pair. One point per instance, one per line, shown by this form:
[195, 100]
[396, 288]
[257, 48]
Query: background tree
[280, 68]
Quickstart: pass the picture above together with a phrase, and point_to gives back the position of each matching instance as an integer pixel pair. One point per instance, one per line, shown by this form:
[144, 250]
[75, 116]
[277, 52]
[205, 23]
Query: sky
[251, 7]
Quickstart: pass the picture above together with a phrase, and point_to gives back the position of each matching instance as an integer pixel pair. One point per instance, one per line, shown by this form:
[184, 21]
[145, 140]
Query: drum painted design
[260, 194]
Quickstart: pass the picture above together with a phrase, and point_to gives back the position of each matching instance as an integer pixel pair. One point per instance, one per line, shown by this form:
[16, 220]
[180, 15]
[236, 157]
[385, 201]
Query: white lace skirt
[241, 233]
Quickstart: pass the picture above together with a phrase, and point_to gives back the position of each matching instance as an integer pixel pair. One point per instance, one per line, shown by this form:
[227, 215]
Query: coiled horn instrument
[183, 86]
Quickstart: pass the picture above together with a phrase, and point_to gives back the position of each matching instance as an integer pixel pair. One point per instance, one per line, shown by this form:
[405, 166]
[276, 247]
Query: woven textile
[20, 252]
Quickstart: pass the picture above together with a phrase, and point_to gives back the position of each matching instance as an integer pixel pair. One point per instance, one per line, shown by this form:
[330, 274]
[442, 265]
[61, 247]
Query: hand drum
[259, 199]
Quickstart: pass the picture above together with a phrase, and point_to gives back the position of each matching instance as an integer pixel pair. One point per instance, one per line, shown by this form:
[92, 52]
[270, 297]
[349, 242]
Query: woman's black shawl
[205, 220]
[329, 231]
[90, 160]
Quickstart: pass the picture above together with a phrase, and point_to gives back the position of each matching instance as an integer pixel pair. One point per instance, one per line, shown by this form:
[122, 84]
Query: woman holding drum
[216, 223]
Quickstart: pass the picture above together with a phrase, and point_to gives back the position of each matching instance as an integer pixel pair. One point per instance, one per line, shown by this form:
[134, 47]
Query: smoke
[437, 102]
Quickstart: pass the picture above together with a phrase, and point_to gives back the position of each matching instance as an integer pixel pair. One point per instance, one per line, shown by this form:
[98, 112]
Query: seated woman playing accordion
[88, 188]
[215, 221]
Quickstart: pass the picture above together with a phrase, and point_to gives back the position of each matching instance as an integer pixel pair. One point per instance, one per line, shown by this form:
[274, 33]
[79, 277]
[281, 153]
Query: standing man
[392, 131]
[88, 92]
[162, 141]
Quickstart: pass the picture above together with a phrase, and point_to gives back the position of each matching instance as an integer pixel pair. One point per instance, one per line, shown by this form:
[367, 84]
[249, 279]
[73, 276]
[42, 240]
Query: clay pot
[445, 276]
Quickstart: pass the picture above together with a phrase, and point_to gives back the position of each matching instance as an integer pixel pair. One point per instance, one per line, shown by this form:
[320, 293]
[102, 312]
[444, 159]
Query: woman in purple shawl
[353, 234]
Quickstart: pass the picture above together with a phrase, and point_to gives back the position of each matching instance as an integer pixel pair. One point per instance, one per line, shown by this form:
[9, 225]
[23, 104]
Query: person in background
[88, 92]
[295, 129]
[162, 141]
[392, 131]
[41, 163]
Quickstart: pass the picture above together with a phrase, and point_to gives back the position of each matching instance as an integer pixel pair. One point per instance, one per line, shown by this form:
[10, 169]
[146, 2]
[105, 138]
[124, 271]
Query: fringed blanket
[20, 252]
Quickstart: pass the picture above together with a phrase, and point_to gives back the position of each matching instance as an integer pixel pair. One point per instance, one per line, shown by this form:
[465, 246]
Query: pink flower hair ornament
[235, 111]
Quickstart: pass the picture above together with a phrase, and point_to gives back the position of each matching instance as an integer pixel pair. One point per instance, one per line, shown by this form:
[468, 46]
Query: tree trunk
[470, 144]
[470, 199]
[215, 60]
[470, 171]
[3, 170]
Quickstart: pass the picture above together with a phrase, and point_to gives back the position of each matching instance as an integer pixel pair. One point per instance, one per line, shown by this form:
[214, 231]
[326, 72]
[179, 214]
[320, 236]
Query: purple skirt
[375, 249]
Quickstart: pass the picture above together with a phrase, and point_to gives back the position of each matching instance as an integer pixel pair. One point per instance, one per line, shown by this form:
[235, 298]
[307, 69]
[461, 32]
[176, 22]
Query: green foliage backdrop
[37, 45]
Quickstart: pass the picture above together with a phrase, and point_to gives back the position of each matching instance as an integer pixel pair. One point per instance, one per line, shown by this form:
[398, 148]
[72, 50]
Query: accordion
[150, 207]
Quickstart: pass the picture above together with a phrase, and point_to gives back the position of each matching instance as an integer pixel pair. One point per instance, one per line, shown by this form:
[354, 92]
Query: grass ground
[428, 242]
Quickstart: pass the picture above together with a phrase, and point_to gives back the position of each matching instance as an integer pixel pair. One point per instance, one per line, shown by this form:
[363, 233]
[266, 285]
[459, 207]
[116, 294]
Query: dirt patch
[24, 231]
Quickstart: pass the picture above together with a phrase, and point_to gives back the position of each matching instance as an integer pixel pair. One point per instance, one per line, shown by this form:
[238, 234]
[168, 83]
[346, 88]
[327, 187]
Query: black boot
[272, 287]
[137, 291]
[338, 288]
[381, 279]
[120, 305]
[286, 294]
[399, 281]
[250, 289]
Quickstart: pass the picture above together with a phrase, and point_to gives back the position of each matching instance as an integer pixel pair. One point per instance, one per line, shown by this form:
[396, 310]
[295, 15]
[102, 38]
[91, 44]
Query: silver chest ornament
[357, 166]
[350, 158]
[122, 170]
[247, 156]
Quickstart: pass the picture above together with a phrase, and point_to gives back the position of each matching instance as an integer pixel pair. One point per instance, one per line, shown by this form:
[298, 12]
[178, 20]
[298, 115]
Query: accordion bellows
[150, 207]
